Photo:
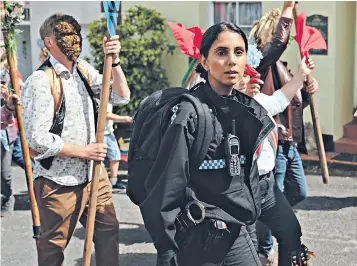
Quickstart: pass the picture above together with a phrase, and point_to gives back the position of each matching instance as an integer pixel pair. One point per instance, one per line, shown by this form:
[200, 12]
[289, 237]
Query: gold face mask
[69, 41]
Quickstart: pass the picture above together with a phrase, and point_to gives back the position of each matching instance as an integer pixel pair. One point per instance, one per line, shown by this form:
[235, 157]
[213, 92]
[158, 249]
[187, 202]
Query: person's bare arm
[296, 83]
[119, 118]
[120, 93]
[277, 102]
[93, 151]
[120, 85]
[287, 11]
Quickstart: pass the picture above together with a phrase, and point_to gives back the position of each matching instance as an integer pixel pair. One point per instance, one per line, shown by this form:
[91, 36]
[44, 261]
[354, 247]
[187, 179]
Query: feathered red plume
[308, 37]
[189, 42]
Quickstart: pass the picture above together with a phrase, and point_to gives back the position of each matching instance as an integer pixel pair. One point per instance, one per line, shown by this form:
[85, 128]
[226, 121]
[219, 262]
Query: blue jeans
[289, 174]
[277, 215]
[6, 176]
[113, 152]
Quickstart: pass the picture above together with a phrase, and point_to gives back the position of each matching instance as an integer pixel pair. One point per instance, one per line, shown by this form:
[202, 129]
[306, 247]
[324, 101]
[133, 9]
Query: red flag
[250, 71]
[189, 40]
[308, 37]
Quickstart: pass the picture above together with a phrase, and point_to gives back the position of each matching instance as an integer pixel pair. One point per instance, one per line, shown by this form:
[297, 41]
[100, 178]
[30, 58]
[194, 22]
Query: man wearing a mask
[60, 115]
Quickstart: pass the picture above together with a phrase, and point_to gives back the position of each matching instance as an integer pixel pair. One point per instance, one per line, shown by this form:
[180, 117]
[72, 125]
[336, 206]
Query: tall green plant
[143, 42]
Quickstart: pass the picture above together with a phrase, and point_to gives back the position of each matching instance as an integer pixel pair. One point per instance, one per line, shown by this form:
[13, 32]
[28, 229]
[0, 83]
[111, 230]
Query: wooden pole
[25, 149]
[98, 168]
[316, 125]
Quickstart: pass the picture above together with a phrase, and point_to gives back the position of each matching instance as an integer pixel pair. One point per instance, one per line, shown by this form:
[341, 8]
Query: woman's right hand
[253, 87]
[305, 67]
[250, 86]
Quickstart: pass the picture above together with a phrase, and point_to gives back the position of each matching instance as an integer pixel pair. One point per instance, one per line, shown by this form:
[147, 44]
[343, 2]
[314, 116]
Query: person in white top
[274, 104]
[276, 211]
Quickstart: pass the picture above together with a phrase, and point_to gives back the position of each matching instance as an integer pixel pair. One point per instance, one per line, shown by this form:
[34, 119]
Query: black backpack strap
[45, 65]
[204, 133]
[91, 95]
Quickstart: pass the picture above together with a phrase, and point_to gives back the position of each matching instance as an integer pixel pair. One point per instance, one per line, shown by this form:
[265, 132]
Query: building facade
[336, 71]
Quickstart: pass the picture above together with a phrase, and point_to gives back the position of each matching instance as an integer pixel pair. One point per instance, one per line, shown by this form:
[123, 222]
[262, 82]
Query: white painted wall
[24, 59]
[189, 13]
[83, 11]
[85, 45]
[344, 66]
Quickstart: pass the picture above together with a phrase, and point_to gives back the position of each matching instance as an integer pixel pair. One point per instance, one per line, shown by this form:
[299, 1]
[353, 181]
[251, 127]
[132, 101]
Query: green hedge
[143, 42]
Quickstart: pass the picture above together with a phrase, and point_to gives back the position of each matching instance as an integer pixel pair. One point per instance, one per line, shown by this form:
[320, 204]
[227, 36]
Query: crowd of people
[226, 211]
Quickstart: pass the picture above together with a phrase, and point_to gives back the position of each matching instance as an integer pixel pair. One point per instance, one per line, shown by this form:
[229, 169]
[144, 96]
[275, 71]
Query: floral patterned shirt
[78, 127]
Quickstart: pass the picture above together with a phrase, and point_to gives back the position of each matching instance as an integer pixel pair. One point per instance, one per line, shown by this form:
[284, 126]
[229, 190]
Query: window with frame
[244, 14]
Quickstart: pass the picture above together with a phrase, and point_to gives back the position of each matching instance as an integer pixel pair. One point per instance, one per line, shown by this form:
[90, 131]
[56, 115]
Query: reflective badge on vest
[174, 111]
[213, 164]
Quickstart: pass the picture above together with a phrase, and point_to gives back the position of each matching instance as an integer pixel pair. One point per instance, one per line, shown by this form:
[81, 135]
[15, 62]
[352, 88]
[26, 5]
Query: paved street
[328, 218]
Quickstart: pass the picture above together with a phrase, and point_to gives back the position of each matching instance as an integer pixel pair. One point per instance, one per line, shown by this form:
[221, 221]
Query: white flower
[254, 56]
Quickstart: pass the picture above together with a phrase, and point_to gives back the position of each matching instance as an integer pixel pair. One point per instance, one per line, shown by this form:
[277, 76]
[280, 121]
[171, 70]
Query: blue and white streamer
[111, 9]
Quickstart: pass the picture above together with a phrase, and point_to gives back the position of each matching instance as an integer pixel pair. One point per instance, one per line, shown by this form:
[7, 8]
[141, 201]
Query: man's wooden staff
[99, 170]
[316, 124]
[11, 17]
[25, 149]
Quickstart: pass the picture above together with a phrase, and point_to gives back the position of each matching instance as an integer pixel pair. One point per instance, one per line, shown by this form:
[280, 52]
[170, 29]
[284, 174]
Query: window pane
[249, 12]
[246, 30]
[225, 12]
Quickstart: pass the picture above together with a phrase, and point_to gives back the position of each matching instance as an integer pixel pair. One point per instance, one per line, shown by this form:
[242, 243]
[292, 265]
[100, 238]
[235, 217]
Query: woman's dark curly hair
[211, 35]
